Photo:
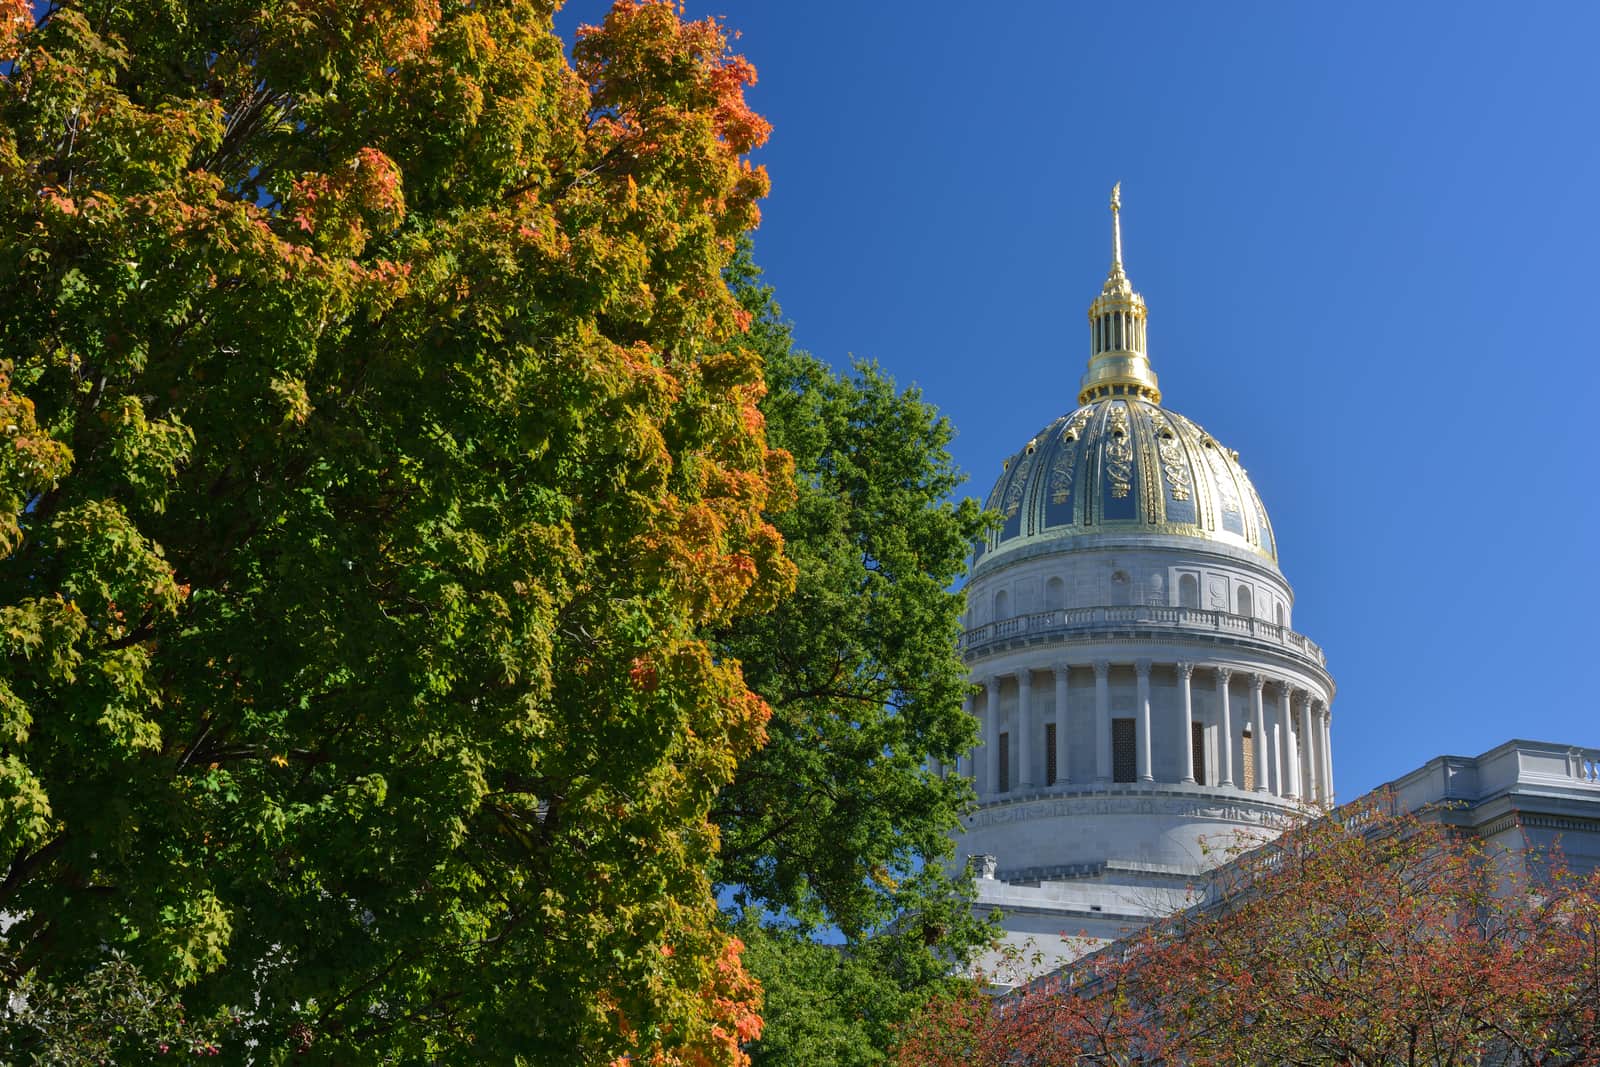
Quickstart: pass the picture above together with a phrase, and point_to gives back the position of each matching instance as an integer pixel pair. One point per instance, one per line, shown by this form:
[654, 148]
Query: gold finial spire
[1116, 228]
[1119, 363]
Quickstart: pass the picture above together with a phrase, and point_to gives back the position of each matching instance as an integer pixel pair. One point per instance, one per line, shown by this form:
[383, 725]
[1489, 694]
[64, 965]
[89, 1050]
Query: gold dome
[1122, 465]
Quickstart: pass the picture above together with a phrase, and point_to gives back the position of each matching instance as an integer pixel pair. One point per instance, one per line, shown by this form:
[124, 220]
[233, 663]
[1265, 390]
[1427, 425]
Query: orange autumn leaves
[1370, 937]
[339, 211]
[16, 16]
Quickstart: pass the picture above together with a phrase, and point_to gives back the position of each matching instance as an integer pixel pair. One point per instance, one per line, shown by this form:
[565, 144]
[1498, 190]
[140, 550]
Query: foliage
[821, 1001]
[841, 1004]
[113, 1015]
[364, 497]
[1369, 938]
[838, 822]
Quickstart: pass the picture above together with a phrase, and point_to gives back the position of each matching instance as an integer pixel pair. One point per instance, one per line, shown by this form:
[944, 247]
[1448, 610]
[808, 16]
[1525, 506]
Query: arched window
[1002, 606]
[1280, 614]
[1246, 605]
[1055, 594]
[1121, 588]
[1188, 591]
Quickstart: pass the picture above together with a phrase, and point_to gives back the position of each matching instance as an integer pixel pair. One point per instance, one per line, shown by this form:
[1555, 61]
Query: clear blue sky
[1367, 235]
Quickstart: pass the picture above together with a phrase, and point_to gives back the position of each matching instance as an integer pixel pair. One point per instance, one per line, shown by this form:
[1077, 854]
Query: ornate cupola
[1119, 360]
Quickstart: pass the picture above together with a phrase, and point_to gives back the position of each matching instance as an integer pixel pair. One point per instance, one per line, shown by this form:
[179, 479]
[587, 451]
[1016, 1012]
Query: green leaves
[113, 1014]
[859, 663]
[367, 500]
[837, 821]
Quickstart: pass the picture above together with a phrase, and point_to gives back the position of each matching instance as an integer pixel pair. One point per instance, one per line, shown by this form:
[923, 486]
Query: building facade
[1146, 706]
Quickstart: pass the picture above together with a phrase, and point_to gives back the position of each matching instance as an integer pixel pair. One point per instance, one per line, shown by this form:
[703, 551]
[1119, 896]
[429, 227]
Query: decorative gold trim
[1222, 477]
[1019, 481]
[1173, 463]
[1066, 462]
[1155, 503]
[1119, 451]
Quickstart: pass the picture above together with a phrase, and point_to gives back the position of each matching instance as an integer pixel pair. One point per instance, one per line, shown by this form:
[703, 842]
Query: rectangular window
[1249, 762]
[1124, 759]
[1049, 753]
[1197, 734]
[1004, 785]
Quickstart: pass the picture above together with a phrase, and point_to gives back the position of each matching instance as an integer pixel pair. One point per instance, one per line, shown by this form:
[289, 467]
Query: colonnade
[1289, 733]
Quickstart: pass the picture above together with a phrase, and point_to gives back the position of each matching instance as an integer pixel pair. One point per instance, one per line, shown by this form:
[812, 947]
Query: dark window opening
[1197, 740]
[1049, 753]
[1124, 759]
[1004, 785]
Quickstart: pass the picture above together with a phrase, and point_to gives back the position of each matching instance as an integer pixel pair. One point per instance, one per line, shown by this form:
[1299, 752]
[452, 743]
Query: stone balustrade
[1159, 619]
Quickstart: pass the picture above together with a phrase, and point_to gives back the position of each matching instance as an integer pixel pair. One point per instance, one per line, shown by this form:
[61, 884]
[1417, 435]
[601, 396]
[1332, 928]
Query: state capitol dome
[1121, 463]
[1125, 465]
[1141, 693]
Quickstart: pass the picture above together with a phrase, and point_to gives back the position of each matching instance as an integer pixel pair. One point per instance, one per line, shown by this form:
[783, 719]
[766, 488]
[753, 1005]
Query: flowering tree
[365, 490]
[1370, 938]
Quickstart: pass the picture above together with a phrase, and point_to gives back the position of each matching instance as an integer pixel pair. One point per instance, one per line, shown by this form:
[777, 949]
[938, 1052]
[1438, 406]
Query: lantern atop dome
[1119, 361]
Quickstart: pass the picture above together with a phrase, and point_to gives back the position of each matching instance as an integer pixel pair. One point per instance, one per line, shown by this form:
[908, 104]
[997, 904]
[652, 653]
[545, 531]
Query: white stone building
[1144, 697]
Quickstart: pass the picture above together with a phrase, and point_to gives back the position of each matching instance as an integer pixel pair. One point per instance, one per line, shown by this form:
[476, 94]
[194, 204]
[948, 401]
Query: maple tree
[375, 464]
[1371, 938]
[838, 826]
[861, 664]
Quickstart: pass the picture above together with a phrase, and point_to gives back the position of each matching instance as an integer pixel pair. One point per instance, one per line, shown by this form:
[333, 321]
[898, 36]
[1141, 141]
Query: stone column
[1258, 722]
[964, 759]
[1186, 698]
[1225, 743]
[1325, 725]
[1303, 738]
[1024, 730]
[1291, 743]
[991, 739]
[1062, 777]
[1102, 720]
[1142, 668]
[1276, 749]
[1318, 788]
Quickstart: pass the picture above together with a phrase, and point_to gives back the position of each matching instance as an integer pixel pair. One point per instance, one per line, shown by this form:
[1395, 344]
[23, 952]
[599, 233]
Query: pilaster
[1258, 721]
[1186, 699]
[1061, 675]
[1102, 720]
[991, 738]
[1225, 744]
[1024, 731]
[1142, 670]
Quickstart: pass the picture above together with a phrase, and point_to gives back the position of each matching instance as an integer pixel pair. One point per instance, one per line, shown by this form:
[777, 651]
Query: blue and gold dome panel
[1121, 465]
